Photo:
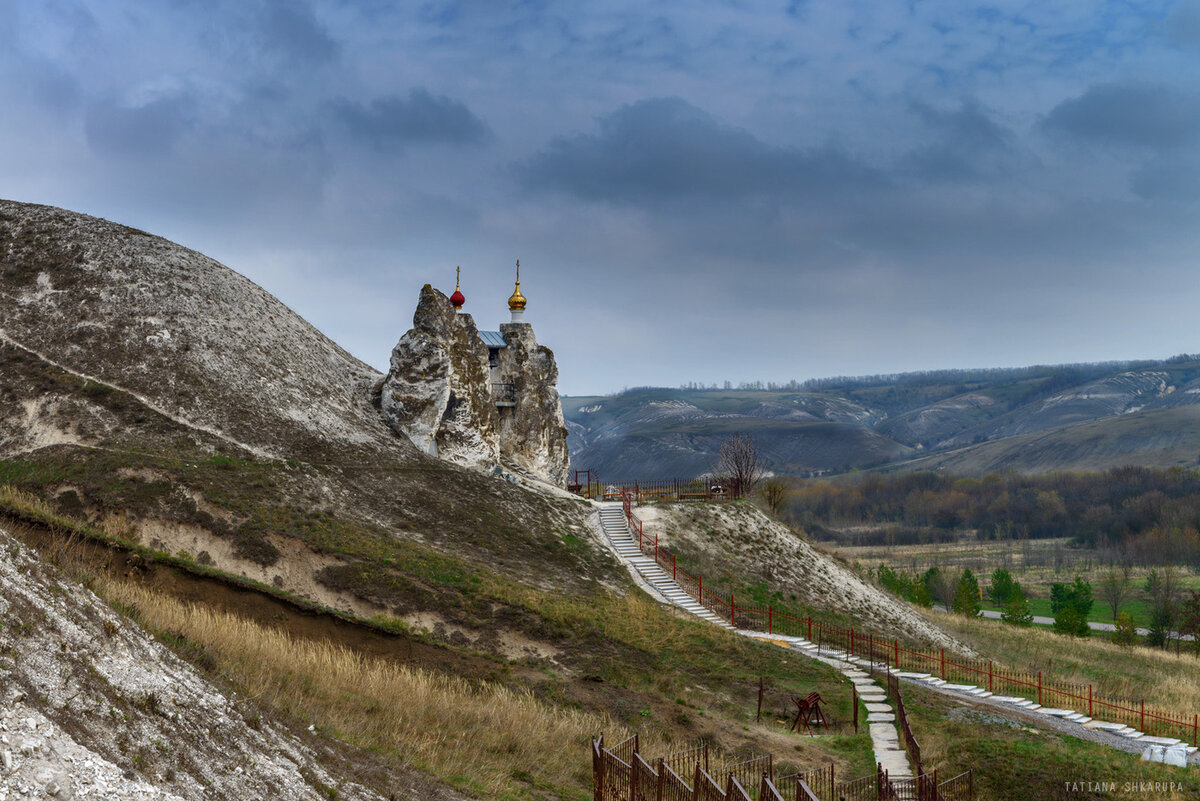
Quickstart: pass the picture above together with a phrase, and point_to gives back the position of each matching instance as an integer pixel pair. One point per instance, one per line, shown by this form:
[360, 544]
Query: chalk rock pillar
[438, 390]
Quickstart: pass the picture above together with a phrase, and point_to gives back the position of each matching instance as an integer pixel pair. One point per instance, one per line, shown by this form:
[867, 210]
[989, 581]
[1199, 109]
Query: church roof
[493, 339]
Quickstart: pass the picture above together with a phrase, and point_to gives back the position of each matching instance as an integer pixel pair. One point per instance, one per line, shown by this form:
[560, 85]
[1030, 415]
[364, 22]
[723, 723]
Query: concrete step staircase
[616, 528]
[889, 751]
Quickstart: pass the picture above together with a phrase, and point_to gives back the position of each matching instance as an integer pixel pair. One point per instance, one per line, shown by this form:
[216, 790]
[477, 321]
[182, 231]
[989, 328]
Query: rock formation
[438, 391]
[476, 403]
[533, 435]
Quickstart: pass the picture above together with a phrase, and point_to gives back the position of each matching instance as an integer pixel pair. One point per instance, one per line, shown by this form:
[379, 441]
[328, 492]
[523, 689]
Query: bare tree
[774, 493]
[1114, 589]
[739, 460]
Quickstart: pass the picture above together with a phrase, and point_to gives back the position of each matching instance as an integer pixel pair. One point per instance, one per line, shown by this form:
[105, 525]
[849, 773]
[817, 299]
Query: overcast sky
[697, 191]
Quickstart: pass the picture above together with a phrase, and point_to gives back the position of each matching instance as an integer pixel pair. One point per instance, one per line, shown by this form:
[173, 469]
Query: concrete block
[1106, 726]
[1176, 756]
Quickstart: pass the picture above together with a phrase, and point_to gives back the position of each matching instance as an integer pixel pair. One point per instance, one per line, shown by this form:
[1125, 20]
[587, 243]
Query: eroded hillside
[736, 546]
[148, 386]
[94, 708]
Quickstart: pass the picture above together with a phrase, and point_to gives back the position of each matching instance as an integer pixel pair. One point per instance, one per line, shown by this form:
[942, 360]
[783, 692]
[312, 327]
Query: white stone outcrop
[533, 435]
[438, 393]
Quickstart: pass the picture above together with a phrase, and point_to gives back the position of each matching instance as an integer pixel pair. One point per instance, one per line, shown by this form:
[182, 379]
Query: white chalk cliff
[476, 404]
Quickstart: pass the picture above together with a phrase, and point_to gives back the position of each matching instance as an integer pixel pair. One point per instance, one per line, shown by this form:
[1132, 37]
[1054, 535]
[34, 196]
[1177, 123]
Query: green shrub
[1126, 632]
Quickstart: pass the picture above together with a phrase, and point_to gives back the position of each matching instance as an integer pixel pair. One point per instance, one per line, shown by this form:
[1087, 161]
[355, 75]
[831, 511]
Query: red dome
[458, 299]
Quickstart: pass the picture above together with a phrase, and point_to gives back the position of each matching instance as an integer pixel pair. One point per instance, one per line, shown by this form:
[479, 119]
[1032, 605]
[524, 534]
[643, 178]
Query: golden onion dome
[516, 301]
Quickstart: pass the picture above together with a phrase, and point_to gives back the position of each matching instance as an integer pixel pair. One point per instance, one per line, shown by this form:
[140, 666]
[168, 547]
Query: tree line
[1174, 611]
[1147, 515]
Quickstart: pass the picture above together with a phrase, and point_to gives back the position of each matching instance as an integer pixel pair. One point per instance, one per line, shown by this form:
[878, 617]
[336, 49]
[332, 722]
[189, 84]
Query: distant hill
[1033, 419]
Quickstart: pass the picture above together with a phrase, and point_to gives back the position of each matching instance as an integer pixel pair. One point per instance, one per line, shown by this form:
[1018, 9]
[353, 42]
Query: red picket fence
[998, 679]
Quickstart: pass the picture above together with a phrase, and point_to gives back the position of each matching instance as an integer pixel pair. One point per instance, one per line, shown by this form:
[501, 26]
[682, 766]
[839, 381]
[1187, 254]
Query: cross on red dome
[458, 298]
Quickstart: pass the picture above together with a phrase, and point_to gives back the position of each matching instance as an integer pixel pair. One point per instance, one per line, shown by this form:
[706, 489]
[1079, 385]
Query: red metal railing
[998, 679]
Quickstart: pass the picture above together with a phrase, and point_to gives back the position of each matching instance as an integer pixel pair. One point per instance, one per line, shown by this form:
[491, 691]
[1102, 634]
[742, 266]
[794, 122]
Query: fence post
[1089, 700]
[896, 643]
[634, 778]
[1195, 728]
[674, 572]
[1039, 687]
[1143, 726]
[943, 664]
[658, 791]
[770, 619]
[598, 768]
[732, 619]
[854, 703]
[810, 628]
[700, 589]
[852, 641]
[990, 676]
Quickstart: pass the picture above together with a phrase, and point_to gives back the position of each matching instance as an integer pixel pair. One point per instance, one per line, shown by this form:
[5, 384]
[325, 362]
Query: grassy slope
[1162, 678]
[1011, 760]
[674, 679]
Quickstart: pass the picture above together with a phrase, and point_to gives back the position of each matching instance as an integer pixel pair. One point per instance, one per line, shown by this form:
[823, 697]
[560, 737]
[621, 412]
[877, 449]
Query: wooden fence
[998, 679]
[621, 773]
[926, 785]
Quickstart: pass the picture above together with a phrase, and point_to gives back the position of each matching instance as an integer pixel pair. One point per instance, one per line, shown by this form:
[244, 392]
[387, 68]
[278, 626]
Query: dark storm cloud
[388, 122]
[666, 148]
[1182, 24]
[290, 28]
[965, 143]
[139, 132]
[1129, 114]
[1176, 178]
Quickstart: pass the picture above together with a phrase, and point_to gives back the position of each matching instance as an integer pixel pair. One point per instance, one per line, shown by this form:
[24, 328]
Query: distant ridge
[956, 419]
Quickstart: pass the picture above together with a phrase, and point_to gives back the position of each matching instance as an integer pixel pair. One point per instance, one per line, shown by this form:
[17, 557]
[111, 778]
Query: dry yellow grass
[485, 738]
[23, 501]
